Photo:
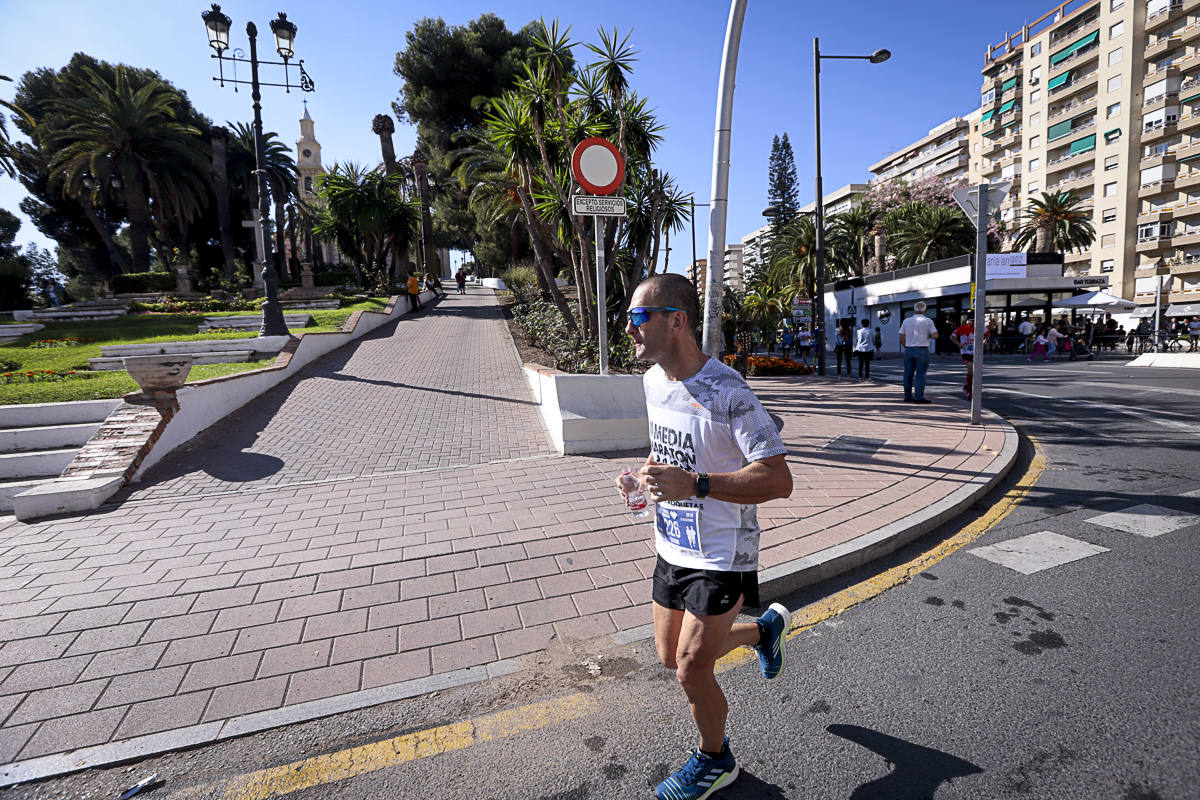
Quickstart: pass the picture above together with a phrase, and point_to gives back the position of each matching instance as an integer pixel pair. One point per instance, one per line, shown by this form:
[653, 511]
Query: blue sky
[349, 49]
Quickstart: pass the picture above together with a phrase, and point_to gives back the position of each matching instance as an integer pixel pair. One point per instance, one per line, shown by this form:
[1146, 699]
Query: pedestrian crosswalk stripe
[1037, 551]
[1146, 520]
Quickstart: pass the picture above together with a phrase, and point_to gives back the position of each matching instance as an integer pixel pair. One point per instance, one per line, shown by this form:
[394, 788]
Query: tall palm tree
[922, 233]
[854, 231]
[278, 164]
[6, 147]
[219, 140]
[110, 129]
[1055, 223]
[793, 267]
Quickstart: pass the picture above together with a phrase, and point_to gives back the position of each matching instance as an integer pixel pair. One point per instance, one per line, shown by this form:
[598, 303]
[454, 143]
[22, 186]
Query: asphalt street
[971, 680]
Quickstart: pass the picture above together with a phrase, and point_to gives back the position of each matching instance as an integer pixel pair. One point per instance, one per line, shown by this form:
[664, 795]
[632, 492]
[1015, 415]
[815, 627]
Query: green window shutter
[1083, 145]
[1067, 52]
[1190, 157]
[1059, 80]
[1191, 97]
[1008, 84]
[987, 115]
[1004, 109]
[1058, 131]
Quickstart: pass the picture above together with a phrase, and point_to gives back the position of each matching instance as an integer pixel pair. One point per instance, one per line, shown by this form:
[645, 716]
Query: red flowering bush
[770, 365]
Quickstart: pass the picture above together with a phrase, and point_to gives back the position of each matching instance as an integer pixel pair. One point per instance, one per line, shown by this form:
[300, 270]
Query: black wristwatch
[702, 485]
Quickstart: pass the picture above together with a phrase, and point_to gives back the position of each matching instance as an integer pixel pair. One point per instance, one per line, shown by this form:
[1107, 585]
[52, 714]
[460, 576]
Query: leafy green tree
[16, 270]
[1055, 223]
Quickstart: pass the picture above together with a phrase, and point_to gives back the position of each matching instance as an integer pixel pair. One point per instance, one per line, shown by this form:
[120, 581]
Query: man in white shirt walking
[916, 333]
[1026, 331]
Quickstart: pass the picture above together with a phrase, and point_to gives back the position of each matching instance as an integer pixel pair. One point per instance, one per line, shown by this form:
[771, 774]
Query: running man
[964, 337]
[714, 455]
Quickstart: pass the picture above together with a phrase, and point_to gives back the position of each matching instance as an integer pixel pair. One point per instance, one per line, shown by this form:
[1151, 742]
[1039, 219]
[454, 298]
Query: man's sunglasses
[641, 315]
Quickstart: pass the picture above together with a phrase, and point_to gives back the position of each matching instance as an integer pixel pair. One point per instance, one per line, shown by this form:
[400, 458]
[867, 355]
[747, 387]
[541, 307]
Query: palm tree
[6, 146]
[365, 212]
[219, 139]
[922, 233]
[793, 267]
[854, 232]
[109, 129]
[278, 164]
[1055, 223]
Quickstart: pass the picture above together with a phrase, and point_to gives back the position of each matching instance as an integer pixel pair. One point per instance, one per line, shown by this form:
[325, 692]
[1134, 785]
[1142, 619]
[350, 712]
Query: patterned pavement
[412, 523]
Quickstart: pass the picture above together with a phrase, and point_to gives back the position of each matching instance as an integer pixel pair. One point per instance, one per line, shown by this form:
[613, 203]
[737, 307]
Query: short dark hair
[673, 289]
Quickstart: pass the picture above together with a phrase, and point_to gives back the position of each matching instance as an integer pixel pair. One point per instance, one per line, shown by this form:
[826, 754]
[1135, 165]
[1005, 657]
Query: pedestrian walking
[878, 340]
[787, 341]
[1194, 334]
[1053, 335]
[804, 343]
[864, 348]
[1026, 331]
[843, 347]
[1040, 347]
[916, 333]
[714, 455]
[414, 292]
[460, 278]
[964, 337]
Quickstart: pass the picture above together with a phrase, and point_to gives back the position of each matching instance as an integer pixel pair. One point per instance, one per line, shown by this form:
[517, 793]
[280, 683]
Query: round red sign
[597, 165]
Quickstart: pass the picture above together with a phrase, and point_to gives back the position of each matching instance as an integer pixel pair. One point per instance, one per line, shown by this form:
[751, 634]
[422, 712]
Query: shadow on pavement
[917, 771]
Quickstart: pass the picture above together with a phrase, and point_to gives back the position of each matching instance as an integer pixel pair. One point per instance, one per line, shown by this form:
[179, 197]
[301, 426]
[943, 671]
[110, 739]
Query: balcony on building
[1077, 153]
[1161, 12]
[1073, 107]
[1072, 82]
[1081, 51]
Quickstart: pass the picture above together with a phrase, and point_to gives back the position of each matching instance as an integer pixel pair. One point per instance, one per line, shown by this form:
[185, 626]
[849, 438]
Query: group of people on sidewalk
[412, 287]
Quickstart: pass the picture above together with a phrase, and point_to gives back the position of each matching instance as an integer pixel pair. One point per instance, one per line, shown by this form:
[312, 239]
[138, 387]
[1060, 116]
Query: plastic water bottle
[634, 497]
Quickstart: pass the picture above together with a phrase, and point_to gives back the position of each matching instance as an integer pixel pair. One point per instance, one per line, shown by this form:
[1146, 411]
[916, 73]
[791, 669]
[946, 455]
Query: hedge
[142, 282]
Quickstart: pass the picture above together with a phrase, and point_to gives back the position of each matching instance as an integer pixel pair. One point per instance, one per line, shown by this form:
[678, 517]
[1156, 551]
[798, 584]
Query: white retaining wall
[590, 413]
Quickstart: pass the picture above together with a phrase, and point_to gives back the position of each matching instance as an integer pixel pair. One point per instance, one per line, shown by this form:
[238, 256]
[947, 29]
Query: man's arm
[757, 482]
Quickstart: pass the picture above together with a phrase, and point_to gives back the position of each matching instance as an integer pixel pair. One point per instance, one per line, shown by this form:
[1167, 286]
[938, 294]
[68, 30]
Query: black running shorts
[704, 592]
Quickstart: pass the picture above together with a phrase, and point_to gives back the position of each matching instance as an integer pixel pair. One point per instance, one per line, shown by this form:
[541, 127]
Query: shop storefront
[1019, 286]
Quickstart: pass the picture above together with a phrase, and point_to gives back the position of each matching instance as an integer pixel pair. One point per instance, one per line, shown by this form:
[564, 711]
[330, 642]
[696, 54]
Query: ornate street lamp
[216, 26]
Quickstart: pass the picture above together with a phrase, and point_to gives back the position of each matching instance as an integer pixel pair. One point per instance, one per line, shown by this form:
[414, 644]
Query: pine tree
[781, 179]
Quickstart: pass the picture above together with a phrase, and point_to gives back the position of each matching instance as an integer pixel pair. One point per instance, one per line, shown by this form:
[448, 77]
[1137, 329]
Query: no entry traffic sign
[597, 165]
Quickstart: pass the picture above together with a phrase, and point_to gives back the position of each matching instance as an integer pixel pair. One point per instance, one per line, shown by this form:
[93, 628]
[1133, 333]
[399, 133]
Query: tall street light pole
[217, 26]
[878, 57]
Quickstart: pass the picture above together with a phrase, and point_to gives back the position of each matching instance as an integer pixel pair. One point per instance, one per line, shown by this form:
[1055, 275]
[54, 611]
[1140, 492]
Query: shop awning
[1183, 310]
[1058, 131]
[1083, 145]
[1065, 53]
[987, 115]
[1143, 312]
[1008, 84]
[1004, 109]
[1059, 80]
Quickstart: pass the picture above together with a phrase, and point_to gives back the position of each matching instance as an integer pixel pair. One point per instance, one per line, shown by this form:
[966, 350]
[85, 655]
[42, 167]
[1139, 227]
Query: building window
[1114, 83]
[1108, 240]
[1033, 187]
[1035, 95]
[1106, 265]
[1112, 136]
[1035, 141]
[1113, 110]
[1034, 164]
[1114, 57]
[1116, 30]
[1034, 119]
[1112, 162]
[1035, 76]
[989, 96]
[308, 187]
[1113, 5]
[1036, 49]
[1110, 189]
[1109, 215]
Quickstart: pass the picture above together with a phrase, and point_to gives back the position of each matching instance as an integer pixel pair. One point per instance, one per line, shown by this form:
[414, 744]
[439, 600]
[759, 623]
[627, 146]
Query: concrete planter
[590, 413]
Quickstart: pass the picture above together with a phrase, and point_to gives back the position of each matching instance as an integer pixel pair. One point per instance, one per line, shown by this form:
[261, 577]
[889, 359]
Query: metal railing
[1074, 104]
[1074, 82]
[1149, 101]
[1174, 6]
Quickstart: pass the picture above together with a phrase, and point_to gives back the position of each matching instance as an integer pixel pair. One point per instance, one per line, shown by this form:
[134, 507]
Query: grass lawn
[21, 356]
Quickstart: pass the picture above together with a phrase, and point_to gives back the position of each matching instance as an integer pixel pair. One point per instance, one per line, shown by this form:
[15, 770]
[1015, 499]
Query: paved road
[973, 680]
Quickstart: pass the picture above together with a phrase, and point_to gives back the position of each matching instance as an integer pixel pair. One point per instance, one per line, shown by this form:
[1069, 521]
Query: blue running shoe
[774, 623]
[699, 777]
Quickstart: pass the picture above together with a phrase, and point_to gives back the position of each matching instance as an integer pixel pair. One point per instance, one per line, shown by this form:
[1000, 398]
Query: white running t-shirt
[711, 422]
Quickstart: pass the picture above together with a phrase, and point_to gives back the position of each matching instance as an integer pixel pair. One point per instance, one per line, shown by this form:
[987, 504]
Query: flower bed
[760, 366]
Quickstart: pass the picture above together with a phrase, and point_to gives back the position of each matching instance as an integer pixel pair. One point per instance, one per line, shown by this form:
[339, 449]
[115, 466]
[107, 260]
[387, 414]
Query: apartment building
[1088, 98]
[839, 201]
[733, 274]
[944, 152]
[698, 274]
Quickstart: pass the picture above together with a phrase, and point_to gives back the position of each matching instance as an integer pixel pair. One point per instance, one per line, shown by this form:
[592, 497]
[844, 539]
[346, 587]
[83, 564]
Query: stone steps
[36, 464]
[250, 323]
[217, 357]
[46, 437]
[10, 333]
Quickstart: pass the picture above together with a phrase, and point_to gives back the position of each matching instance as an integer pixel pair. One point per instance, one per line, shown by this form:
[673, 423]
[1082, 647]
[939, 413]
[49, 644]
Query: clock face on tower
[306, 153]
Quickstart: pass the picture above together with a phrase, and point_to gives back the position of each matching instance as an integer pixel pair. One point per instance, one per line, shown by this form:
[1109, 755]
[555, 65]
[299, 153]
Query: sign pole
[601, 299]
[980, 305]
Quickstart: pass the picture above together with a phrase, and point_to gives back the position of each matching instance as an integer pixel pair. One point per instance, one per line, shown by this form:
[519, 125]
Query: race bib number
[679, 526]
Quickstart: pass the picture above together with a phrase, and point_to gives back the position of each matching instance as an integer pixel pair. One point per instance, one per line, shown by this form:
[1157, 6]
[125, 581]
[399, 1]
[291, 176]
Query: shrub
[142, 282]
[759, 366]
[335, 277]
[522, 281]
[175, 305]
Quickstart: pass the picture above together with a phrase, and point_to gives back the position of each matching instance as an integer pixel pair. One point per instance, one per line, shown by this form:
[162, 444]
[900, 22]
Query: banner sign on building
[1006, 265]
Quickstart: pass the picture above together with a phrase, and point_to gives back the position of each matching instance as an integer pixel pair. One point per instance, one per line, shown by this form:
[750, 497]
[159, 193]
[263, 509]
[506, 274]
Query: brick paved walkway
[170, 611]
[433, 390]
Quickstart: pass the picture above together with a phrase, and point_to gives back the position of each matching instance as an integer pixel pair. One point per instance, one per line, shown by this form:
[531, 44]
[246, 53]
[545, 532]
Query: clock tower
[308, 162]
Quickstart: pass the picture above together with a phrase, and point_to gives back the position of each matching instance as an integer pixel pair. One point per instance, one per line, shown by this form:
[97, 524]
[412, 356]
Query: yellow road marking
[810, 616]
[332, 767]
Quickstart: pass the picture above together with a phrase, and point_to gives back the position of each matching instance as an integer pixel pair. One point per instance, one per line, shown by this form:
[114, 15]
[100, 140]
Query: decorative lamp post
[878, 57]
[216, 25]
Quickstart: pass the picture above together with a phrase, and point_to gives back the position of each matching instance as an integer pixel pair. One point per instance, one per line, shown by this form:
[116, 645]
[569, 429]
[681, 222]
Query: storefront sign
[885, 316]
[1095, 281]
[1006, 265]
